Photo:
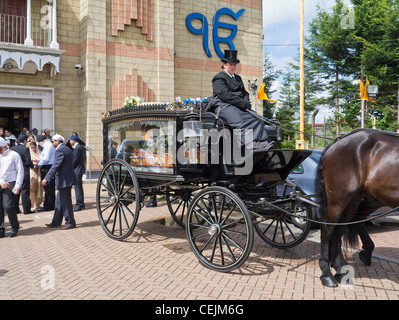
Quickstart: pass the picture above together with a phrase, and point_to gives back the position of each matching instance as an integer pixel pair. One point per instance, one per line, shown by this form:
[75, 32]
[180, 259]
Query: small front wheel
[288, 227]
[178, 203]
[118, 199]
[219, 229]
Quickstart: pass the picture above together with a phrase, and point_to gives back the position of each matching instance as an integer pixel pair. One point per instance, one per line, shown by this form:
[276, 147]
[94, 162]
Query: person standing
[81, 142]
[35, 133]
[36, 188]
[79, 168]
[47, 133]
[45, 163]
[10, 137]
[11, 178]
[62, 169]
[113, 152]
[24, 153]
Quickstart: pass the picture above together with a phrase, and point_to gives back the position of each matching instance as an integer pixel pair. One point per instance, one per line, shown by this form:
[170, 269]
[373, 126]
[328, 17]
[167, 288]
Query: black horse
[357, 174]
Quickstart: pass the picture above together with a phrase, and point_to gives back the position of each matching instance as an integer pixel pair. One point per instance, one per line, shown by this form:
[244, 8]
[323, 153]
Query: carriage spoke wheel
[223, 239]
[118, 199]
[178, 203]
[279, 229]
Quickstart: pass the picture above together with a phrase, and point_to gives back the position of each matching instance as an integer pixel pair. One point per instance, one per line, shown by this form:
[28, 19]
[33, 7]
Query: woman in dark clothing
[235, 107]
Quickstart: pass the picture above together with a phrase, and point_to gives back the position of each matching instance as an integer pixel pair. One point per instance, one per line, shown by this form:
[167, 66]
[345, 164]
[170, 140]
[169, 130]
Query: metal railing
[89, 167]
[13, 30]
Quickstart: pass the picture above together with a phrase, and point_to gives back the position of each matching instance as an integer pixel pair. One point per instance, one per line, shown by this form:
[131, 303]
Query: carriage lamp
[192, 129]
[372, 90]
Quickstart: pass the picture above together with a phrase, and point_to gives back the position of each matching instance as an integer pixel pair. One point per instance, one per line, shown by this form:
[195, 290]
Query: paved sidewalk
[156, 263]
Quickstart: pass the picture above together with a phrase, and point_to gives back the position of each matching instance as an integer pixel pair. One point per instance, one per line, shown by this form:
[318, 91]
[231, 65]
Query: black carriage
[153, 149]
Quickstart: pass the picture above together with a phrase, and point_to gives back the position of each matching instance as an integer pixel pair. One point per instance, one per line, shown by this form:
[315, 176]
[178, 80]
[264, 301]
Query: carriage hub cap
[214, 229]
[114, 198]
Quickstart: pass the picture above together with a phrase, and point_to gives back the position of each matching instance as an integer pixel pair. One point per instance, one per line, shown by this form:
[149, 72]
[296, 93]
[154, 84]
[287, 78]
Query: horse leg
[331, 244]
[368, 244]
[326, 277]
[337, 258]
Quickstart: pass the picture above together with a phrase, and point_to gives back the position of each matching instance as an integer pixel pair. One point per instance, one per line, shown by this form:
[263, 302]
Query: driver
[235, 108]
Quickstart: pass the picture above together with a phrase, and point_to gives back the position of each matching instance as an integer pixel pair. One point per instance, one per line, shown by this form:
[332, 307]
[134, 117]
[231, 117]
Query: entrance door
[15, 119]
[13, 21]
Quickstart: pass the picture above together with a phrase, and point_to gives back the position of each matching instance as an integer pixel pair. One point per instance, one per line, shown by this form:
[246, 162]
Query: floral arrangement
[179, 104]
[132, 101]
[186, 104]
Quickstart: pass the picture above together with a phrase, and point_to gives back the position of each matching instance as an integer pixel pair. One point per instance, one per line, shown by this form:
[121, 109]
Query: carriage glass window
[147, 143]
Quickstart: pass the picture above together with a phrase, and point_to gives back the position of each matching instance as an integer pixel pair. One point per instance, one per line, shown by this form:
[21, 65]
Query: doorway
[15, 119]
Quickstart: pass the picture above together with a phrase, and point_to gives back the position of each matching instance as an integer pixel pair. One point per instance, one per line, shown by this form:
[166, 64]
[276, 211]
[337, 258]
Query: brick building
[64, 63]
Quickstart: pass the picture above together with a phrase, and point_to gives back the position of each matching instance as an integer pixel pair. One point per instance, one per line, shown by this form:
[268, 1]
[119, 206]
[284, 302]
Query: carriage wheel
[118, 199]
[279, 229]
[178, 204]
[219, 229]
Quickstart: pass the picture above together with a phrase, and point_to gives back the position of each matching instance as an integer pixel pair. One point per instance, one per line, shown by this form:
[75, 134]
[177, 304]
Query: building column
[54, 43]
[28, 40]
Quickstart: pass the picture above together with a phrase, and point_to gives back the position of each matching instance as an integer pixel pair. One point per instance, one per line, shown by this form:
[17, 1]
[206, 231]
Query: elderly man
[11, 178]
[62, 169]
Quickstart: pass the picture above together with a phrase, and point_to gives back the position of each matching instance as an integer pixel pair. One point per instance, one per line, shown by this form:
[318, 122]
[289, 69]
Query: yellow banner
[262, 94]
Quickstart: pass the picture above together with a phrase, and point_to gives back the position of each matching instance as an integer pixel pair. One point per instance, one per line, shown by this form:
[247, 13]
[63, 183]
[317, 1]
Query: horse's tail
[351, 236]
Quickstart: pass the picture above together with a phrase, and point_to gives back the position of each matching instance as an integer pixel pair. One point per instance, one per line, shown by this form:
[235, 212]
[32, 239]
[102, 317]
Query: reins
[347, 223]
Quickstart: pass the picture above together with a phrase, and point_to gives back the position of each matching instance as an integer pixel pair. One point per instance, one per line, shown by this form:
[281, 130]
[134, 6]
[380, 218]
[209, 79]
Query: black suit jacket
[79, 159]
[25, 156]
[62, 168]
[231, 90]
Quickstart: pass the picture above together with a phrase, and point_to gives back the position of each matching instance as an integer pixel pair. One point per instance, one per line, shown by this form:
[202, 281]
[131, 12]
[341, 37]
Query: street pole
[302, 75]
[301, 143]
[362, 114]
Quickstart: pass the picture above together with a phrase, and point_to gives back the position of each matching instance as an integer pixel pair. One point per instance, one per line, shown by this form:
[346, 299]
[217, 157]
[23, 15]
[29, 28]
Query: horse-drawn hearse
[216, 192]
[220, 193]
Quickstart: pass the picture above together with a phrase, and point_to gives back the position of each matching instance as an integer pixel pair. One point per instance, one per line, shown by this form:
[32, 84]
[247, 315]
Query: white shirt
[11, 168]
[230, 75]
[47, 155]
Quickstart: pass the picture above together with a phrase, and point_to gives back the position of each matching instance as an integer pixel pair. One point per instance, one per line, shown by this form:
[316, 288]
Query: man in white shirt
[11, 178]
[45, 163]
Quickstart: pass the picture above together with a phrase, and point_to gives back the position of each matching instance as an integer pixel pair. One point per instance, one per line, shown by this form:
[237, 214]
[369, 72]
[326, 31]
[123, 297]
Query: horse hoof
[338, 277]
[365, 258]
[329, 281]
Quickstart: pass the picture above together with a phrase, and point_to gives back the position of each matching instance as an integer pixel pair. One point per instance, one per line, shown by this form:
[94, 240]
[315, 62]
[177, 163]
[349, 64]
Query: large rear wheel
[219, 229]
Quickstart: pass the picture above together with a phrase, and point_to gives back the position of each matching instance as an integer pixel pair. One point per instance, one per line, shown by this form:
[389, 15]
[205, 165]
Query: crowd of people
[32, 167]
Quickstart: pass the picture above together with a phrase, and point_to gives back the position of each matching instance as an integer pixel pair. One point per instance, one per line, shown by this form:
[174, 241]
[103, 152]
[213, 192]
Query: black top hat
[230, 56]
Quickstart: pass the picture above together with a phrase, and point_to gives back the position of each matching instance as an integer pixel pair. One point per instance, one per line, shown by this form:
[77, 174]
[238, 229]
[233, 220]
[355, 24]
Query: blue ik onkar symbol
[204, 30]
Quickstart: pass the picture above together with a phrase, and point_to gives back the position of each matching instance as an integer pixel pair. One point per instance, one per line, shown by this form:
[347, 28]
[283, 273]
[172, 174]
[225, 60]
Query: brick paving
[156, 263]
